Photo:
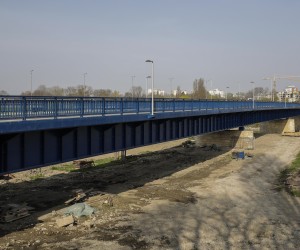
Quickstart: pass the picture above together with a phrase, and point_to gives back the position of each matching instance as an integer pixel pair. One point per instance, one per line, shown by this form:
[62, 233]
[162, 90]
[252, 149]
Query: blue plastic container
[241, 155]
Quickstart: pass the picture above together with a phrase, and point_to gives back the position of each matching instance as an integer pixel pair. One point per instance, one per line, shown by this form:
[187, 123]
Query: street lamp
[152, 87]
[84, 75]
[31, 82]
[211, 89]
[147, 79]
[252, 94]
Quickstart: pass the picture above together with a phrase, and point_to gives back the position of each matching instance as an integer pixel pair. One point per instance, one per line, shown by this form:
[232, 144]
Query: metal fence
[21, 107]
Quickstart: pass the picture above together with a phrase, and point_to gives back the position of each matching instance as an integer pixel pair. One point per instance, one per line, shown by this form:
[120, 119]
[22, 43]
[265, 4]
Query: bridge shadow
[50, 193]
[248, 215]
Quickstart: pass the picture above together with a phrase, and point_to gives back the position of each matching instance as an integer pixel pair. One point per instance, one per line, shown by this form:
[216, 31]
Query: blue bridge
[39, 131]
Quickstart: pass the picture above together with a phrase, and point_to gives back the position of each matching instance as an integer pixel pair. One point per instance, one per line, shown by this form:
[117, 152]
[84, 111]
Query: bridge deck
[38, 131]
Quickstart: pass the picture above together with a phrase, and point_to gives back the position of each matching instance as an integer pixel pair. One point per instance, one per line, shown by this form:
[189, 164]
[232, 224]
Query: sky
[230, 42]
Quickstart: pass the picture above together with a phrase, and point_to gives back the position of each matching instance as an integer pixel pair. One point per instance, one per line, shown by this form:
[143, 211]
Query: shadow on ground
[243, 211]
[47, 194]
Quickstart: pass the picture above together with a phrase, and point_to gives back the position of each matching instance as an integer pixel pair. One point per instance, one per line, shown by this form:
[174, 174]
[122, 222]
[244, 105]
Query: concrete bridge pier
[282, 126]
[228, 139]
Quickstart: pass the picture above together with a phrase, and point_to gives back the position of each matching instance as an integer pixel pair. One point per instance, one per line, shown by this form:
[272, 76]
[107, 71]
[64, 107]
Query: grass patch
[286, 174]
[100, 162]
[66, 168]
[145, 152]
[37, 176]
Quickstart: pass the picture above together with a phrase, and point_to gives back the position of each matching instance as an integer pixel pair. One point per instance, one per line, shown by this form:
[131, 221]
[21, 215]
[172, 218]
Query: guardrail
[24, 107]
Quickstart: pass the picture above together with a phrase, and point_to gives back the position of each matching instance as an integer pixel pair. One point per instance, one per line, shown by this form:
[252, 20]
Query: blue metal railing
[21, 107]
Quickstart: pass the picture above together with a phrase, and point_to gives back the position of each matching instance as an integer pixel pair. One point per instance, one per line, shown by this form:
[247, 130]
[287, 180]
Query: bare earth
[178, 198]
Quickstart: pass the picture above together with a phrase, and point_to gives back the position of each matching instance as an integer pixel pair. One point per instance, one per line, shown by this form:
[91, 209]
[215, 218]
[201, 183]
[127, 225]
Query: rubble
[79, 209]
[212, 147]
[189, 144]
[81, 195]
[65, 221]
[12, 212]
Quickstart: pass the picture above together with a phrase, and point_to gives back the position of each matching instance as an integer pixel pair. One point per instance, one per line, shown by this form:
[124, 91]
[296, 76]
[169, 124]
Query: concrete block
[65, 221]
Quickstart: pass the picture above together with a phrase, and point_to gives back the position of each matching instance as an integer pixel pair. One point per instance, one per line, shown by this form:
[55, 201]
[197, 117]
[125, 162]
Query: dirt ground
[177, 198]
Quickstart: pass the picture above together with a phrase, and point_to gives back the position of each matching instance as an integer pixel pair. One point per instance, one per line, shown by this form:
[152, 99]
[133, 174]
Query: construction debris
[65, 221]
[108, 201]
[212, 147]
[103, 199]
[12, 212]
[189, 144]
[238, 155]
[81, 195]
[79, 209]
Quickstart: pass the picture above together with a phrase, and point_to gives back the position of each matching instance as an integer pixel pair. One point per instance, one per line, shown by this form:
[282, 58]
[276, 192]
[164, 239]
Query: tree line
[199, 92]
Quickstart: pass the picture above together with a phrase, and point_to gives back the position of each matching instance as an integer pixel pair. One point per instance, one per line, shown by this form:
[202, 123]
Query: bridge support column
[123, 155]
[120, 155]
[282, 126]
[228, 139]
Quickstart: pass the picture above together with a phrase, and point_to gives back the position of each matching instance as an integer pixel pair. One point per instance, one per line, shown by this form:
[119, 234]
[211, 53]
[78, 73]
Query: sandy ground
[178, 198]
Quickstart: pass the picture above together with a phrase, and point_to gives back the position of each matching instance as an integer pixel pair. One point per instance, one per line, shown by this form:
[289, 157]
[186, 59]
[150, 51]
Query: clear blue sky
[230, 42]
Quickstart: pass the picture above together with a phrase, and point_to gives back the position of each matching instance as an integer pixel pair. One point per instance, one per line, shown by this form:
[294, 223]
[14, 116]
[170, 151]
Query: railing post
[82, 107]
[56, 107]
[121, 106]
[137, 105]
[103, 106]
[174, 105]
[24, 108]
[183, 104]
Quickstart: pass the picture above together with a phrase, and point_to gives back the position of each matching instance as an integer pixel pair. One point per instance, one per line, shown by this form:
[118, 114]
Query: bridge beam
[31, 149]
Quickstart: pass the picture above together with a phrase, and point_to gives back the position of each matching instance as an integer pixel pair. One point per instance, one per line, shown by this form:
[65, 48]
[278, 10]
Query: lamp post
[252, 94]
[285, 99]
[211, 90]
[31, 82]
[152, 87]
[147, 79]
[84, 75]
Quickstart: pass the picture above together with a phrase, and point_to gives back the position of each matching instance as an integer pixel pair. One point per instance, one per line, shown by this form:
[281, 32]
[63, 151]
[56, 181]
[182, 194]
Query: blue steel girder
[41, 145]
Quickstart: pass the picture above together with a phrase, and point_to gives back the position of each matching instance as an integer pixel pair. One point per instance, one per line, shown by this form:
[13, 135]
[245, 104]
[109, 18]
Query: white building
[217, 92]
[156, 92]
[290, 94]
[183, 92]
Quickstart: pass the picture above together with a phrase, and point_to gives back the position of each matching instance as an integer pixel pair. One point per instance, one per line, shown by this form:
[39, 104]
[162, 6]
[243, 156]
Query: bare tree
[102, 92]
[79, 90]
[56, 91]
[3, 92]
[41, 91]
[26, 93]
[137, 91]
[199, 90]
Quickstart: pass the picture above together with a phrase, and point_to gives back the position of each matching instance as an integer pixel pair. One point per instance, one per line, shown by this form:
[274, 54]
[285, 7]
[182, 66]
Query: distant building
[290, 94]
[182, 92]
[217, 92]
[156, 92]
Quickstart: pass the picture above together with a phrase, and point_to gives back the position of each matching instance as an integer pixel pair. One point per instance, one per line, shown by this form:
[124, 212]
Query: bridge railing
[21, 107]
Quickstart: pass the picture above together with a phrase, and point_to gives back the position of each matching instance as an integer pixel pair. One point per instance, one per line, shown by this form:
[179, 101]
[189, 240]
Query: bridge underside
[31, 149]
